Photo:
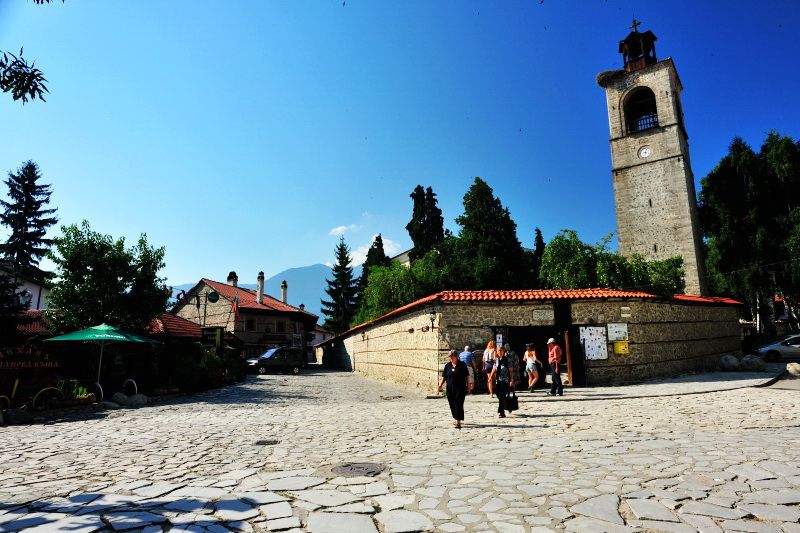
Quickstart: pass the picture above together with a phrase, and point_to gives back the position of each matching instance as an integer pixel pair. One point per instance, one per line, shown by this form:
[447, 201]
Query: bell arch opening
[640, 110]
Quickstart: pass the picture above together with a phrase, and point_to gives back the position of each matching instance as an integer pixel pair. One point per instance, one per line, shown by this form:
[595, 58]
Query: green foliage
[748, 206]
[24, 81]
[391, 287]
[26, 218]
[569, 263]
[487, 253]
[340, 308]
[74, 391]
[376, 256]
[100, 280]
[426, 227]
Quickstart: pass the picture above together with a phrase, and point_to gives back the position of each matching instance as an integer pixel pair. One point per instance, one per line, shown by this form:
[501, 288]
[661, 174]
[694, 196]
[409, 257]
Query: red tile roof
[706, 299]
[171, 325]
[36, 324]
[530, 295]
[247, 299]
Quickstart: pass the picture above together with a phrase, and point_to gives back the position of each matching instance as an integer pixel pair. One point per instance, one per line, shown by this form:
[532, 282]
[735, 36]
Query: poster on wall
[499, 339]
[593, 340]
[618, 332]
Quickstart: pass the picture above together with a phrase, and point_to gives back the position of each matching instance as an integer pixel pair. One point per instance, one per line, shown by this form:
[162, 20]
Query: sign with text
[618, 332]
[25, 357]
[544, 315]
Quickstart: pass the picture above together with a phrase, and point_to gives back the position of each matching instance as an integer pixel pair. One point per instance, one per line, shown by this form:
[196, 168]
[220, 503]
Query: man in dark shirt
[456, 374]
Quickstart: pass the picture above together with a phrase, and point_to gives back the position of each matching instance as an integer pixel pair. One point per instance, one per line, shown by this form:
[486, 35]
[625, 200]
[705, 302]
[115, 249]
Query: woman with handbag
[503, 378]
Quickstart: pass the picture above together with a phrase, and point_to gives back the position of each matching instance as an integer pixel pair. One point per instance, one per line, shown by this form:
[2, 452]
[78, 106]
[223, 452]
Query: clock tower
[654, 191]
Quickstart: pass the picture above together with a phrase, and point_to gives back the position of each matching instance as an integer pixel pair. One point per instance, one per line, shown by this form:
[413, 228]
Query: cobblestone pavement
[259, 456]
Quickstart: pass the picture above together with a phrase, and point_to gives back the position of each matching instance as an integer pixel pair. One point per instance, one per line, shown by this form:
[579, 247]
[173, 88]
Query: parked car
[277, 360]
[786, 348]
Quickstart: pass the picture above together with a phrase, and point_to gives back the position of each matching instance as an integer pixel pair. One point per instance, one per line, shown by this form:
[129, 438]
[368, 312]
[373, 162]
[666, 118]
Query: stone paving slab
[712, 462]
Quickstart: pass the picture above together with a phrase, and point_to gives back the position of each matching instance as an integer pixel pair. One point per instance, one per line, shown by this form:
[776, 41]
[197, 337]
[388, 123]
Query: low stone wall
[665, 339]
[403, 350]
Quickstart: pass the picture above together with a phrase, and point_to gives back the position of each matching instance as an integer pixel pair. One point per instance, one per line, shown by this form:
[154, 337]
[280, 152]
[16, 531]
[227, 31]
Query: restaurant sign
[26, 357]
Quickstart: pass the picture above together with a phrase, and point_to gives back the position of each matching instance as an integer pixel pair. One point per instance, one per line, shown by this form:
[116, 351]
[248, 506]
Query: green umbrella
[102, 335]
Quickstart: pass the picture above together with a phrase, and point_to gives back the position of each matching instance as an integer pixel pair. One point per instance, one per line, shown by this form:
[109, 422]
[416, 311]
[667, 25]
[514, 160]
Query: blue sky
[241, 137]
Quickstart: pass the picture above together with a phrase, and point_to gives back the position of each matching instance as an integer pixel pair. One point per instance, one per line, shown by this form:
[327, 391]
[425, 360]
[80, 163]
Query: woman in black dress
[456, 374]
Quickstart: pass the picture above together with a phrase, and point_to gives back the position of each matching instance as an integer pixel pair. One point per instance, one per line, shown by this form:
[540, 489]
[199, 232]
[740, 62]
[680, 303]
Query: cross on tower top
[635, 25]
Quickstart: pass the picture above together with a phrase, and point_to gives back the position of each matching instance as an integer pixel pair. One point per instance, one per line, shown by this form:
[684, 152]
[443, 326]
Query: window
[281, 327]
[249, 324]
[651, 202]
[655, 248]
[640, 110]
[295, 327]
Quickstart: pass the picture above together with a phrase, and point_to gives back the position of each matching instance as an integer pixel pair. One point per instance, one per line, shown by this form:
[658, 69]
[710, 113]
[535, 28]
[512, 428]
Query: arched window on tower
[640, 110]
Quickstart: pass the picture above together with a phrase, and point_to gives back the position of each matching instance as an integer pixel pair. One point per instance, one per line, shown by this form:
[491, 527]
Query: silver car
[786, 348]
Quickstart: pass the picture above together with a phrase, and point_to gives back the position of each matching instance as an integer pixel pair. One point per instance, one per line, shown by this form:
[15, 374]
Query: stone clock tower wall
[654, 188]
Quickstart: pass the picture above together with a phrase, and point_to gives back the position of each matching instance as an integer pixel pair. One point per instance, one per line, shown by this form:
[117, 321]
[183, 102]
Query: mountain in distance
[306, 285]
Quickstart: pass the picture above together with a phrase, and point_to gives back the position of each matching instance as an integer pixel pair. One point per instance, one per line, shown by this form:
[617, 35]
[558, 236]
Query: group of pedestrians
[501, 367]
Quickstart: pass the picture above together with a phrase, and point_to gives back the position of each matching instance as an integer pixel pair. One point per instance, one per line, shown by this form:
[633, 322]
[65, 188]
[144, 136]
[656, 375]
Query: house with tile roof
[257, 319]
[607, 336]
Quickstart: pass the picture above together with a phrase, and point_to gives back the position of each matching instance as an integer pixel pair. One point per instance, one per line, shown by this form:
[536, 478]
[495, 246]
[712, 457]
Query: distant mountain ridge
[306, 286]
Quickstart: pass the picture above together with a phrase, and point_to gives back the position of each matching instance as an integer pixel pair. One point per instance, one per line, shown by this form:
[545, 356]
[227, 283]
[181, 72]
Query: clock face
[644, 151]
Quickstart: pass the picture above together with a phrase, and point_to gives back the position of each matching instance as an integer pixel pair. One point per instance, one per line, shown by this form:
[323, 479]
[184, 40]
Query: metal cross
[635, 25]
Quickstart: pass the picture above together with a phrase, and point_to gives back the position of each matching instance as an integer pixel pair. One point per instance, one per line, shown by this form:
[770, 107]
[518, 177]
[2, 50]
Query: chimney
[284, 287]
[302, 307]
[233, 279]
[260, 288]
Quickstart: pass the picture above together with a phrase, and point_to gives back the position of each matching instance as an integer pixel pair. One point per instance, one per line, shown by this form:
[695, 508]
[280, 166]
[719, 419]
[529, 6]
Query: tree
[569, 263]
[24, 214]
[426, 227]
[487, 250]
[376, 256]
[747, 216]
[341, 291]
[535, 259]
[99, 280]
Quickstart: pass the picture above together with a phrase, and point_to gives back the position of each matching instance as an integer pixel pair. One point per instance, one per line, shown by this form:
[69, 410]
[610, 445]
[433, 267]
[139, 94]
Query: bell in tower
[654, 191]
[638, 49]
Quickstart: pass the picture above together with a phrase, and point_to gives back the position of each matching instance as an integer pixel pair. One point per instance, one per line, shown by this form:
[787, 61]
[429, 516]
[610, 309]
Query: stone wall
[665, 339]
[391, 351]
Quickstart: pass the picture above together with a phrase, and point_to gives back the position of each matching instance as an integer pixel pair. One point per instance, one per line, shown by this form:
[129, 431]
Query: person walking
[468, 358]
[489, 355]
[456, 375]
[532, 366]
[554, 358]
[503, 377]
[513, 359]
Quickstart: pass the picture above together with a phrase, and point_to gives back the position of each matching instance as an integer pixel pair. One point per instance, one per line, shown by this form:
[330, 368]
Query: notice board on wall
[618, 332]
[594, 341]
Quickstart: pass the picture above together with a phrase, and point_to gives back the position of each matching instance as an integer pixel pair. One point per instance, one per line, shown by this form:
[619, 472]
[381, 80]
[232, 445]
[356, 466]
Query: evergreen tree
[538, 252]
[426, 227]
[341, 306]
[487, 249]
[376, 256]
[24, 214]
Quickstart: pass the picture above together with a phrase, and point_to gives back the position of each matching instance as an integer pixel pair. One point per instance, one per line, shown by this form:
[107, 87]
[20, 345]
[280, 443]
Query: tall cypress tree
[341, 291]
[426, 227]
[376, 256]
[538, 252]
[26, 217]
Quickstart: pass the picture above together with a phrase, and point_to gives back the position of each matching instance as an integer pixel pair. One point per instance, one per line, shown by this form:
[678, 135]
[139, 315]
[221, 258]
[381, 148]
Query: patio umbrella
[102, 335]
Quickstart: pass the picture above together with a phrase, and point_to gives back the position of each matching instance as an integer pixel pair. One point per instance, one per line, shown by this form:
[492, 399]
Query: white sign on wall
[618, 332]
[499, 339]
[595, 344]
[543, 315]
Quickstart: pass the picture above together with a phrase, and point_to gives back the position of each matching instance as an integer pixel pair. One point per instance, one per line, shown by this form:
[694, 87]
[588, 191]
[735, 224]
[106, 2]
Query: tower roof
[638, 49]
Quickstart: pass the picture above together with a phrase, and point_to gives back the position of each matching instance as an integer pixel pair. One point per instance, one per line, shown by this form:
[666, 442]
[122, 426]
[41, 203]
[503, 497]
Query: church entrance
[572, 366]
